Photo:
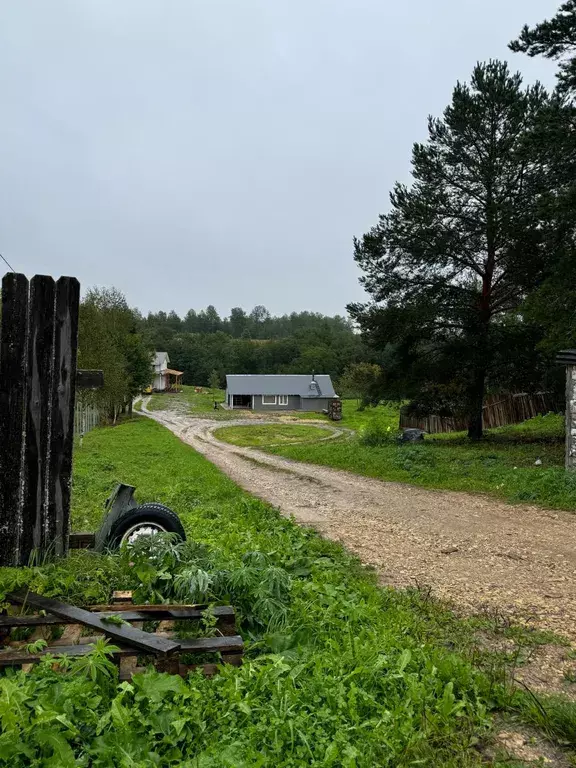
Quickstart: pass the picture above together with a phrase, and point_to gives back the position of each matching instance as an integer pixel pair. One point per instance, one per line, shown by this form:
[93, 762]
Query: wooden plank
[63, 397]
[13, 359]
[144, 641]
[122, 596]
[224, 614]
[89, 379]
[37, 420]
[15, 656]
[81, 540]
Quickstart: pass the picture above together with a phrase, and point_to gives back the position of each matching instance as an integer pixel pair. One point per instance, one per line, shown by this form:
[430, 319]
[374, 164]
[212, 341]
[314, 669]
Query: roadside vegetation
[339, 672]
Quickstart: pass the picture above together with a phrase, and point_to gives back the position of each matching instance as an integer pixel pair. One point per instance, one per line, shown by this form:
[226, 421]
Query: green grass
[353, 418]
[271, 434]
[502, 464]
[200, 404]
[339, 672]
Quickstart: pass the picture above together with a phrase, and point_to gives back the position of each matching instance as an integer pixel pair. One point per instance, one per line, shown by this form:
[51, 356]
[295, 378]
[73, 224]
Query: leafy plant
[36, 647]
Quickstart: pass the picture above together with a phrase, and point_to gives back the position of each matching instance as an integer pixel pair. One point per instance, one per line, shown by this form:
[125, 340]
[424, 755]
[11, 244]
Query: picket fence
[86, 418]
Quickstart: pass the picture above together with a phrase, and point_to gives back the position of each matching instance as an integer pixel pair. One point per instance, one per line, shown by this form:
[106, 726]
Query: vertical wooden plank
[12, 400]
[63, 395]
[37, 421]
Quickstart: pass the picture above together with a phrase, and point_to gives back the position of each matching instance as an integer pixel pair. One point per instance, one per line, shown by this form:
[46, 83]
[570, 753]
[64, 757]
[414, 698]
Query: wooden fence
[498, 411]
[38, 350]
[86, 418]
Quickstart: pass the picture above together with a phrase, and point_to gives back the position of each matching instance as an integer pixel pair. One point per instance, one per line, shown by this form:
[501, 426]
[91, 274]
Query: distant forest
[202, 342]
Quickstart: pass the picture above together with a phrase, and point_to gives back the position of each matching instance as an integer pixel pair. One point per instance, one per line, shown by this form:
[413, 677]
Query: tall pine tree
[555, 39]
[462, 246]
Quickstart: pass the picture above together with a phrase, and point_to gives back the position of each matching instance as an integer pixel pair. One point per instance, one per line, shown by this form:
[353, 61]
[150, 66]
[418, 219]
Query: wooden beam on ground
[124, 633]
[224, 645]
[81, 540]
[224, 614]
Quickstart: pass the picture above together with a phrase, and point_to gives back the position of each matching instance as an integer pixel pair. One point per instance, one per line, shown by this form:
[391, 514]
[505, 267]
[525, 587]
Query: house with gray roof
[279, 393]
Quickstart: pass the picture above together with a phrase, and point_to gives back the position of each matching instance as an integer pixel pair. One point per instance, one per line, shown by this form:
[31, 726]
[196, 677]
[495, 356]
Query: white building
[165, 379]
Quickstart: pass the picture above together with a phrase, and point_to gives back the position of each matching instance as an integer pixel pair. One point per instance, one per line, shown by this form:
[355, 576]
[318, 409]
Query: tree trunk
[476, 402]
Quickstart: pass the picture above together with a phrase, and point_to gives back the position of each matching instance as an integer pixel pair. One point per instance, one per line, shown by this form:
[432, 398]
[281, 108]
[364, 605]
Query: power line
[5, 262]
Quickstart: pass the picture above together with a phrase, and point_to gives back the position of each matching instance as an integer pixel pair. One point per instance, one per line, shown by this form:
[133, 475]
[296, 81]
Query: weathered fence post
[38, 345]
[568, 358]
[63, 398]
[12, 396]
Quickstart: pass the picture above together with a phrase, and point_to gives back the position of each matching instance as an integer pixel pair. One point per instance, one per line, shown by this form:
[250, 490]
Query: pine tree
[555, 39]
[462, 245]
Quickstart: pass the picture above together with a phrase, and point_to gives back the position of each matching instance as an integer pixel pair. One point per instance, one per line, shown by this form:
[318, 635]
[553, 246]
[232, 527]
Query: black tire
[157, 516]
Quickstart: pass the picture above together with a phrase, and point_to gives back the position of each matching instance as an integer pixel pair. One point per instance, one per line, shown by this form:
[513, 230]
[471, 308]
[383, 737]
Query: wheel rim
[141, 529]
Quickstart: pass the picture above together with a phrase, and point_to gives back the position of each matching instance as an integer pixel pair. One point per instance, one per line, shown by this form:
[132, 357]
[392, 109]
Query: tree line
[471, 272]
[121, 341]
[255, 342]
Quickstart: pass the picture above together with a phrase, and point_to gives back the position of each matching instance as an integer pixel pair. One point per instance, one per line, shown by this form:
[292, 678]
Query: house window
[282, 399]
[268, 399]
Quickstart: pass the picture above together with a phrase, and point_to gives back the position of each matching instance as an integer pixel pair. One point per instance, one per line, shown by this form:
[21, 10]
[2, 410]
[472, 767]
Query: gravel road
[472, 550]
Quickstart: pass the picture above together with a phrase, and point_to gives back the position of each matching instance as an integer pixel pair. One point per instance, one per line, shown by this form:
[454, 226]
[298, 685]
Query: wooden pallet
[135, 646]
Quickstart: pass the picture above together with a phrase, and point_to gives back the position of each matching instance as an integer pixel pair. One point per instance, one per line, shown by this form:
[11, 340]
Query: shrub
[377, 432]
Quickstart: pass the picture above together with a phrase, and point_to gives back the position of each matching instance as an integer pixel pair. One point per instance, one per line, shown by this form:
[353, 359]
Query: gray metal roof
[291, 384]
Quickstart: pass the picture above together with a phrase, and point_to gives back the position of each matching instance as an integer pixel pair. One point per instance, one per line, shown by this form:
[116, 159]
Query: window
[282, 399]
[268, 399]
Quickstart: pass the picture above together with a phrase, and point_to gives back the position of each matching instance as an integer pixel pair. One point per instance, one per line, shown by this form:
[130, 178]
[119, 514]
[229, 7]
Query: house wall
[293, 404]
[315, 403]
[159, 382]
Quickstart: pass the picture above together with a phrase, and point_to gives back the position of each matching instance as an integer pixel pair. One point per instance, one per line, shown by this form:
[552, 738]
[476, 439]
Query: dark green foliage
[109, 340]
[254, 343]
[461, 247]
[555, 39]
[362, 381]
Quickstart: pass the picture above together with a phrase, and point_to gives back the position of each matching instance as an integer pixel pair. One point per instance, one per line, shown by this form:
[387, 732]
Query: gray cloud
[223, 151]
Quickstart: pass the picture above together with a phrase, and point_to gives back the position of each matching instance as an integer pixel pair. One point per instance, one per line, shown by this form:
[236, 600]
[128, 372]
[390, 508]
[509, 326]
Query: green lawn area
[339, 672]
[271, 434]
[353, 418]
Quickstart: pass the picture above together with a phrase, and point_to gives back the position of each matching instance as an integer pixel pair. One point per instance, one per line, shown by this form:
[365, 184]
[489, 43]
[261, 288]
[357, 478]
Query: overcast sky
[225, 152]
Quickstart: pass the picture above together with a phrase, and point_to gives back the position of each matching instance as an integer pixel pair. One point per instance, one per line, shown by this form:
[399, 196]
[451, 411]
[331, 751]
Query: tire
[146, 519]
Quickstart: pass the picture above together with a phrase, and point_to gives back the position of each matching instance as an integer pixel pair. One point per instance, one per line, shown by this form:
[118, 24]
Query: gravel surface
[472, 550]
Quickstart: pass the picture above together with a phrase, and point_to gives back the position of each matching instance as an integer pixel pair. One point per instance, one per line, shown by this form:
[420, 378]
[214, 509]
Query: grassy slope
[358, 676]
[199, 404]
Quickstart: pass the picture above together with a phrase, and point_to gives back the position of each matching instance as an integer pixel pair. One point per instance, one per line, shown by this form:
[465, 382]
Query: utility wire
[5, 262]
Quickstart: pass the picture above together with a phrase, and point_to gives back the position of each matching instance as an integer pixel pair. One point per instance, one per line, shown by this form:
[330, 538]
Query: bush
[377, 432]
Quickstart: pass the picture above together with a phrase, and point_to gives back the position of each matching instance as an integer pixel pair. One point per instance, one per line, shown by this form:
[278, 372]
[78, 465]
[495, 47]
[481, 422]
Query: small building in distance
[165, 379]
[292, 392]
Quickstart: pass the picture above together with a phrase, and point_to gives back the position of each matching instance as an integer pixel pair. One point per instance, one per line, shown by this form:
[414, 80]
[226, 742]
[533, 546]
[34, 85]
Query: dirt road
[472, 550]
